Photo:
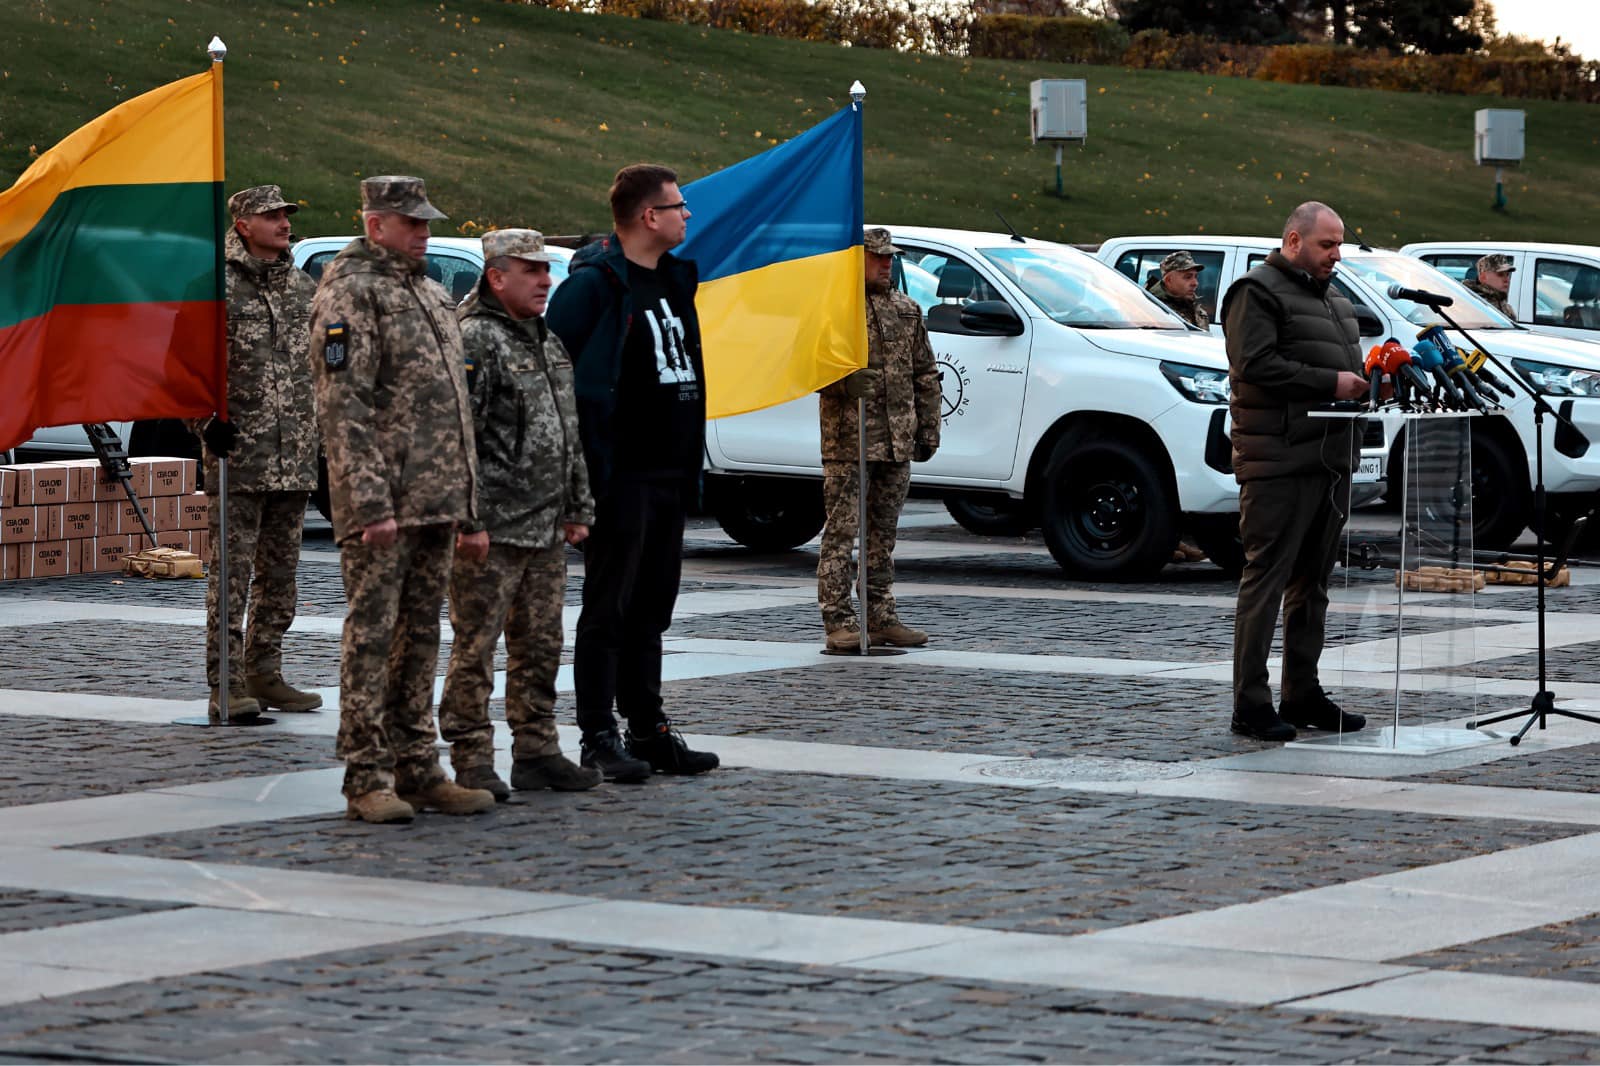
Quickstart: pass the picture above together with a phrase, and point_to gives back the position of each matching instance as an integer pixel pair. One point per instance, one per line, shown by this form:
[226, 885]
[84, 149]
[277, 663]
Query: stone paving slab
[1572, 769]
[1025, 860]
[1567, 951]
[68, 759]
[21, 909]
[480, 998]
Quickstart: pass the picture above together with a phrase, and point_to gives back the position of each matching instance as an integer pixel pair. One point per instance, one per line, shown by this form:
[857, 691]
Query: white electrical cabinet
[1497, 137]
[1060, 109]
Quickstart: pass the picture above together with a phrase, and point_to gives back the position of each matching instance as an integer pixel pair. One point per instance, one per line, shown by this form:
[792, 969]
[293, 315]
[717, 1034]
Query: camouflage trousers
[886, 494]
[263, 554]
[389, 658]
[517, 591]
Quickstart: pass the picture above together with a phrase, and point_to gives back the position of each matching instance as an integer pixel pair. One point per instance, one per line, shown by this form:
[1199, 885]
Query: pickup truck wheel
[1500, 506]
[1218, 537]
[767, 514]
[990, 515]
[1108, 514]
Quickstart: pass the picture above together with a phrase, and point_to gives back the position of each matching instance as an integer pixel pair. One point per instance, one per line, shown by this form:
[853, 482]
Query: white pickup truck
[1556, 287]
[1566, 371]
[1072, 401]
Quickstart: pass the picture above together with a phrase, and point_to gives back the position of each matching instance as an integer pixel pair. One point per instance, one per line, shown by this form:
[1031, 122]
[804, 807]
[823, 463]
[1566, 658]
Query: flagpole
[218, 51]
[858, 96]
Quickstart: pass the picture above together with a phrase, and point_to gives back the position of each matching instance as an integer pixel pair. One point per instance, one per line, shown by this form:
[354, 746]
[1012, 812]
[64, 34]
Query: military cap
[1179, 261]
[258, 200]
[518, 244]
[1495, 263]
[403, 195]
[876, 240]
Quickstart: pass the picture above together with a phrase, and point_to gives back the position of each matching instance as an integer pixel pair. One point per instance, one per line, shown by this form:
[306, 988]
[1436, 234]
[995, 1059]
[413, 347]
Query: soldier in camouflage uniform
[1492, 282]
[1177, 286]
[269, 439]
[901, 387]
[533, 500]
[392, 399]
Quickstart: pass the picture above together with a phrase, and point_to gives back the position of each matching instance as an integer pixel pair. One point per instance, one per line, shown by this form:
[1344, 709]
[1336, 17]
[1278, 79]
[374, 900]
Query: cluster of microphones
[1433, 375]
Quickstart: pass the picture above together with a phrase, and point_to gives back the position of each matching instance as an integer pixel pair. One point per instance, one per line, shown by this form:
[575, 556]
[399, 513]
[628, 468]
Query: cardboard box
[174, 538]
[108, 552]
[10, 561]
[17, 525]
[47, 522]
[194, 511]
[169, 476]
[110, 488]
[163, 512]
[8, 486]
[50, 558]
[81, 476]
[49, 484]
[78, 520]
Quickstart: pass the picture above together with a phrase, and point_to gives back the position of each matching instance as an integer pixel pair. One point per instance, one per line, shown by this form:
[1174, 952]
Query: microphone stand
[1544, 701]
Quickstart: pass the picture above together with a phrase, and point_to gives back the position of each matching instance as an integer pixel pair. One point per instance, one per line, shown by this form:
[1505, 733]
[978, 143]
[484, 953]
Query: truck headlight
[1553, 380]
[1198, 384]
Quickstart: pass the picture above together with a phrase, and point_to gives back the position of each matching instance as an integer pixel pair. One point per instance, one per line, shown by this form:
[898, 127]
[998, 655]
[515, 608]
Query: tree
[1248, 21]
[1434, 26]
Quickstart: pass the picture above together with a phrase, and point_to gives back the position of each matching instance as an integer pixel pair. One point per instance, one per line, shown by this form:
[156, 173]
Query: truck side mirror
[1369, 322]
[991, 318]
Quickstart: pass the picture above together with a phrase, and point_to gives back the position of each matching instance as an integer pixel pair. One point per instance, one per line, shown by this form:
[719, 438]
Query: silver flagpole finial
[217, 50]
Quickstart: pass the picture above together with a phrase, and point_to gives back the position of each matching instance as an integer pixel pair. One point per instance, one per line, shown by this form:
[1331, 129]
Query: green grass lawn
[517, 115]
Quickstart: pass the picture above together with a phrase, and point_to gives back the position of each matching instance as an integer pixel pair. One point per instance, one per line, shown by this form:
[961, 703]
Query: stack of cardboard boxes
[67, 518]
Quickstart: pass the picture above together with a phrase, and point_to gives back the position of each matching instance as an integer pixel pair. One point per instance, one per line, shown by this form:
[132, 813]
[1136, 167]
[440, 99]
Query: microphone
[1428, 355]
[1419, 296]
[1397, 361]
[1478, 363]
[1456, 366]
[1374, 369]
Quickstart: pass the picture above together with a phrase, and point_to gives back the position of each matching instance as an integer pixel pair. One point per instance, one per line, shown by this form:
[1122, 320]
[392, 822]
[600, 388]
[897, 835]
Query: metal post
[861, 519]
[1059, 192]
[222, 590]
[1499, 188]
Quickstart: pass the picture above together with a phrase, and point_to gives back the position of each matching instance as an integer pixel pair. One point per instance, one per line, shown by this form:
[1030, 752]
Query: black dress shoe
[1319, 712]
[1262, 723]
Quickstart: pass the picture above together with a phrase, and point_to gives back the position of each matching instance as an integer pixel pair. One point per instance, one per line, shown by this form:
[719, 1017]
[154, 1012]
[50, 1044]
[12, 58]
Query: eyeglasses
[681, 205]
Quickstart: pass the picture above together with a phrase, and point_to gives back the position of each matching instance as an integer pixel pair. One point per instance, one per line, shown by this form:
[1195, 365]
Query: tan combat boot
[447, 797]
[274, 693]
[378, 806]
[897, 635]
[846, 638]
[241, 707]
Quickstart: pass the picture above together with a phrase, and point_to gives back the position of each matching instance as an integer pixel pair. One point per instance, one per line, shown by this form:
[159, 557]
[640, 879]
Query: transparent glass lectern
[1401, 645]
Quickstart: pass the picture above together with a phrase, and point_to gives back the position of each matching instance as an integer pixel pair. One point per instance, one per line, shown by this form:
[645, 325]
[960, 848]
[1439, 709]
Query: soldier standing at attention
[626, 313]
[901, 386]
[270, 442]
[392, 398]
[1492, 283]
[533, 500]
[1177, 288]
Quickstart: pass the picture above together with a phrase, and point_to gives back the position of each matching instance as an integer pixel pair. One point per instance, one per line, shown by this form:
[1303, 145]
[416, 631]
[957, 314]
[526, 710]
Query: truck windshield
[1381, 271]
[1078, 291]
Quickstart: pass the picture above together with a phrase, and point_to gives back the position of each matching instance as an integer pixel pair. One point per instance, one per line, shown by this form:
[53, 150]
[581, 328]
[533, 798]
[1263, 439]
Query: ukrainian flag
[111, 283]
[777, 239]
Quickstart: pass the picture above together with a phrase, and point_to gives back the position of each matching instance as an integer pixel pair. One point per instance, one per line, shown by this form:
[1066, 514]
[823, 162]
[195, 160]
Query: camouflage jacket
[1187, 307]
[270, 396]
[531, 474]
[391, 393]
[907, 407]
[1496, 300]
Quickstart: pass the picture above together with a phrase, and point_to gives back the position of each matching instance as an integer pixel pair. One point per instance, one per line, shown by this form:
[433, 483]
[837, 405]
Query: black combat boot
[606, 753]
[666, 752]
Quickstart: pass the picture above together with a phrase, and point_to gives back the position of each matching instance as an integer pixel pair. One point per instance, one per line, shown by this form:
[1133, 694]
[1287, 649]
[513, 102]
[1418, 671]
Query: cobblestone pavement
[174, 894]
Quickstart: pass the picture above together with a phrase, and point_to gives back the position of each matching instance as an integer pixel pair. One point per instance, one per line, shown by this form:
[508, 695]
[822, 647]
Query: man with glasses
[1493, 282]
[626, 314]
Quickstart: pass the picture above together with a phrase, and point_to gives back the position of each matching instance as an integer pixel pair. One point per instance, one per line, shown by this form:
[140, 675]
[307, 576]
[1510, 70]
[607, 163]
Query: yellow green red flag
[111, 299]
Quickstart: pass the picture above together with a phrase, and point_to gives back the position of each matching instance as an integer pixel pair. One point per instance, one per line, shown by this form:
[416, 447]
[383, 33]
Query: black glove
[921, 453]
[220, 436]
[863, 384]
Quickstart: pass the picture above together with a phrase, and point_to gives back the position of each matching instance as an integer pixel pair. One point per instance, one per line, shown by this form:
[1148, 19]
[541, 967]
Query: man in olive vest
[1293, 346]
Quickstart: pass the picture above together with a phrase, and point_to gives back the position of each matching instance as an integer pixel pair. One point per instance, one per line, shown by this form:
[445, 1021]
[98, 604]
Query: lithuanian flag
[111, 284]
[783, 295]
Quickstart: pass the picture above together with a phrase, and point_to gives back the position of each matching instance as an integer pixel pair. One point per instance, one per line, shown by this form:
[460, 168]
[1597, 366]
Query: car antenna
[1363, 245]
[1012, 229]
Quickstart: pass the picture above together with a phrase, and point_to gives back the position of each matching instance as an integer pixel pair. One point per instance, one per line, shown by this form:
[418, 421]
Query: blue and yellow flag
[782, 298]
